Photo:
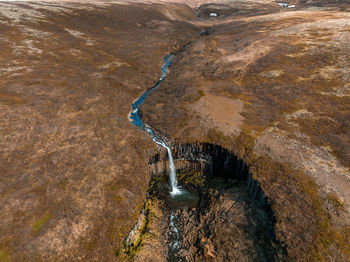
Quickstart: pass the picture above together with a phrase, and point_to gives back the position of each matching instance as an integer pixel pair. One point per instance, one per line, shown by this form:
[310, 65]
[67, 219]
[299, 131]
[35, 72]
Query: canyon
[253, 111]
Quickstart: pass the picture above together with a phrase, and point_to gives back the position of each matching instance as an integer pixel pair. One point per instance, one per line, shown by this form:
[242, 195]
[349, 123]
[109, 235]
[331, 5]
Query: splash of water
[174, 234]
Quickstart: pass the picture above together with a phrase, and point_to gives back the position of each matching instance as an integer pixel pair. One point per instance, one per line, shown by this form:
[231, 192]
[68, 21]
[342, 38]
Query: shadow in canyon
[227, 216]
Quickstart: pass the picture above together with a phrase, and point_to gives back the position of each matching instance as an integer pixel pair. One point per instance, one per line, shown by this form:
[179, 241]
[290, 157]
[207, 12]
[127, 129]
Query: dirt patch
[219, 112]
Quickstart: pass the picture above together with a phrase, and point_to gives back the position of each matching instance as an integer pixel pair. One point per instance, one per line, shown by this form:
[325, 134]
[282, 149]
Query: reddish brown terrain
[269, 85]
[73, 169]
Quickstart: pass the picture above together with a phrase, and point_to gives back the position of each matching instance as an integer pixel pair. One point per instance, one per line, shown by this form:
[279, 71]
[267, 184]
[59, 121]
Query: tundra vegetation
[268, 84]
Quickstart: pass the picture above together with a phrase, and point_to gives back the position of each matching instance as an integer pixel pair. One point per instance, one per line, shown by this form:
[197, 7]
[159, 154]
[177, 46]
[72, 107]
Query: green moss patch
[335, 201]
[191, 178]
[4, 256]
[39, 223]
[132, 249]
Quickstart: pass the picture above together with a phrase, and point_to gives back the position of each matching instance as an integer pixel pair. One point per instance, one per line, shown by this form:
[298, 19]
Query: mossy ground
[39, 223]
[132, 248]
[191, 178]
[4, 256]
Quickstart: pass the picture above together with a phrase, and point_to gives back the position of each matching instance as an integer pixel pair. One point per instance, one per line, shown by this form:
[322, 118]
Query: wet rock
[208, 248]
[204, 32]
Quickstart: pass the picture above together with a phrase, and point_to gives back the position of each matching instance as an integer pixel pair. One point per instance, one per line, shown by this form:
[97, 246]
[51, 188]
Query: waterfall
[175, 189]
[173, 179]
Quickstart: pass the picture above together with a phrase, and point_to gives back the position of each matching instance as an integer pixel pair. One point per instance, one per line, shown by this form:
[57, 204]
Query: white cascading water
[174, 233]
[175, 189]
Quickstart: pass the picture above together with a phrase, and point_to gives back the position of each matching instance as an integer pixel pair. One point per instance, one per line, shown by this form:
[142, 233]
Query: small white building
[286, 5]
[213, 14]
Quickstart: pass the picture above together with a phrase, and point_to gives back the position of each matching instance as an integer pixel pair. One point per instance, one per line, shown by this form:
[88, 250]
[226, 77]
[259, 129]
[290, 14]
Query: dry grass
[67, 82]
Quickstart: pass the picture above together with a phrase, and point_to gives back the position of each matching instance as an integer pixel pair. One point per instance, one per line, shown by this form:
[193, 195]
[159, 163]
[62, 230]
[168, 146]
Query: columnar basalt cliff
[212, 160]
[225, 188]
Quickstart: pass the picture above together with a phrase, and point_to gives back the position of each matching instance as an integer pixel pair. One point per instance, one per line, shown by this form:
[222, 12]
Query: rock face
[229, 227]
[210, 159]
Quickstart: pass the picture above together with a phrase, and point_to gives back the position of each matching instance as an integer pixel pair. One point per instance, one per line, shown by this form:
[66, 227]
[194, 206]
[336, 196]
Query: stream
[136, 120]
[179, 196]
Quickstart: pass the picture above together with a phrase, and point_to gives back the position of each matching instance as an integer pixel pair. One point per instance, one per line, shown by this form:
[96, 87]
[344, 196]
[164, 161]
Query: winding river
[136, 120]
